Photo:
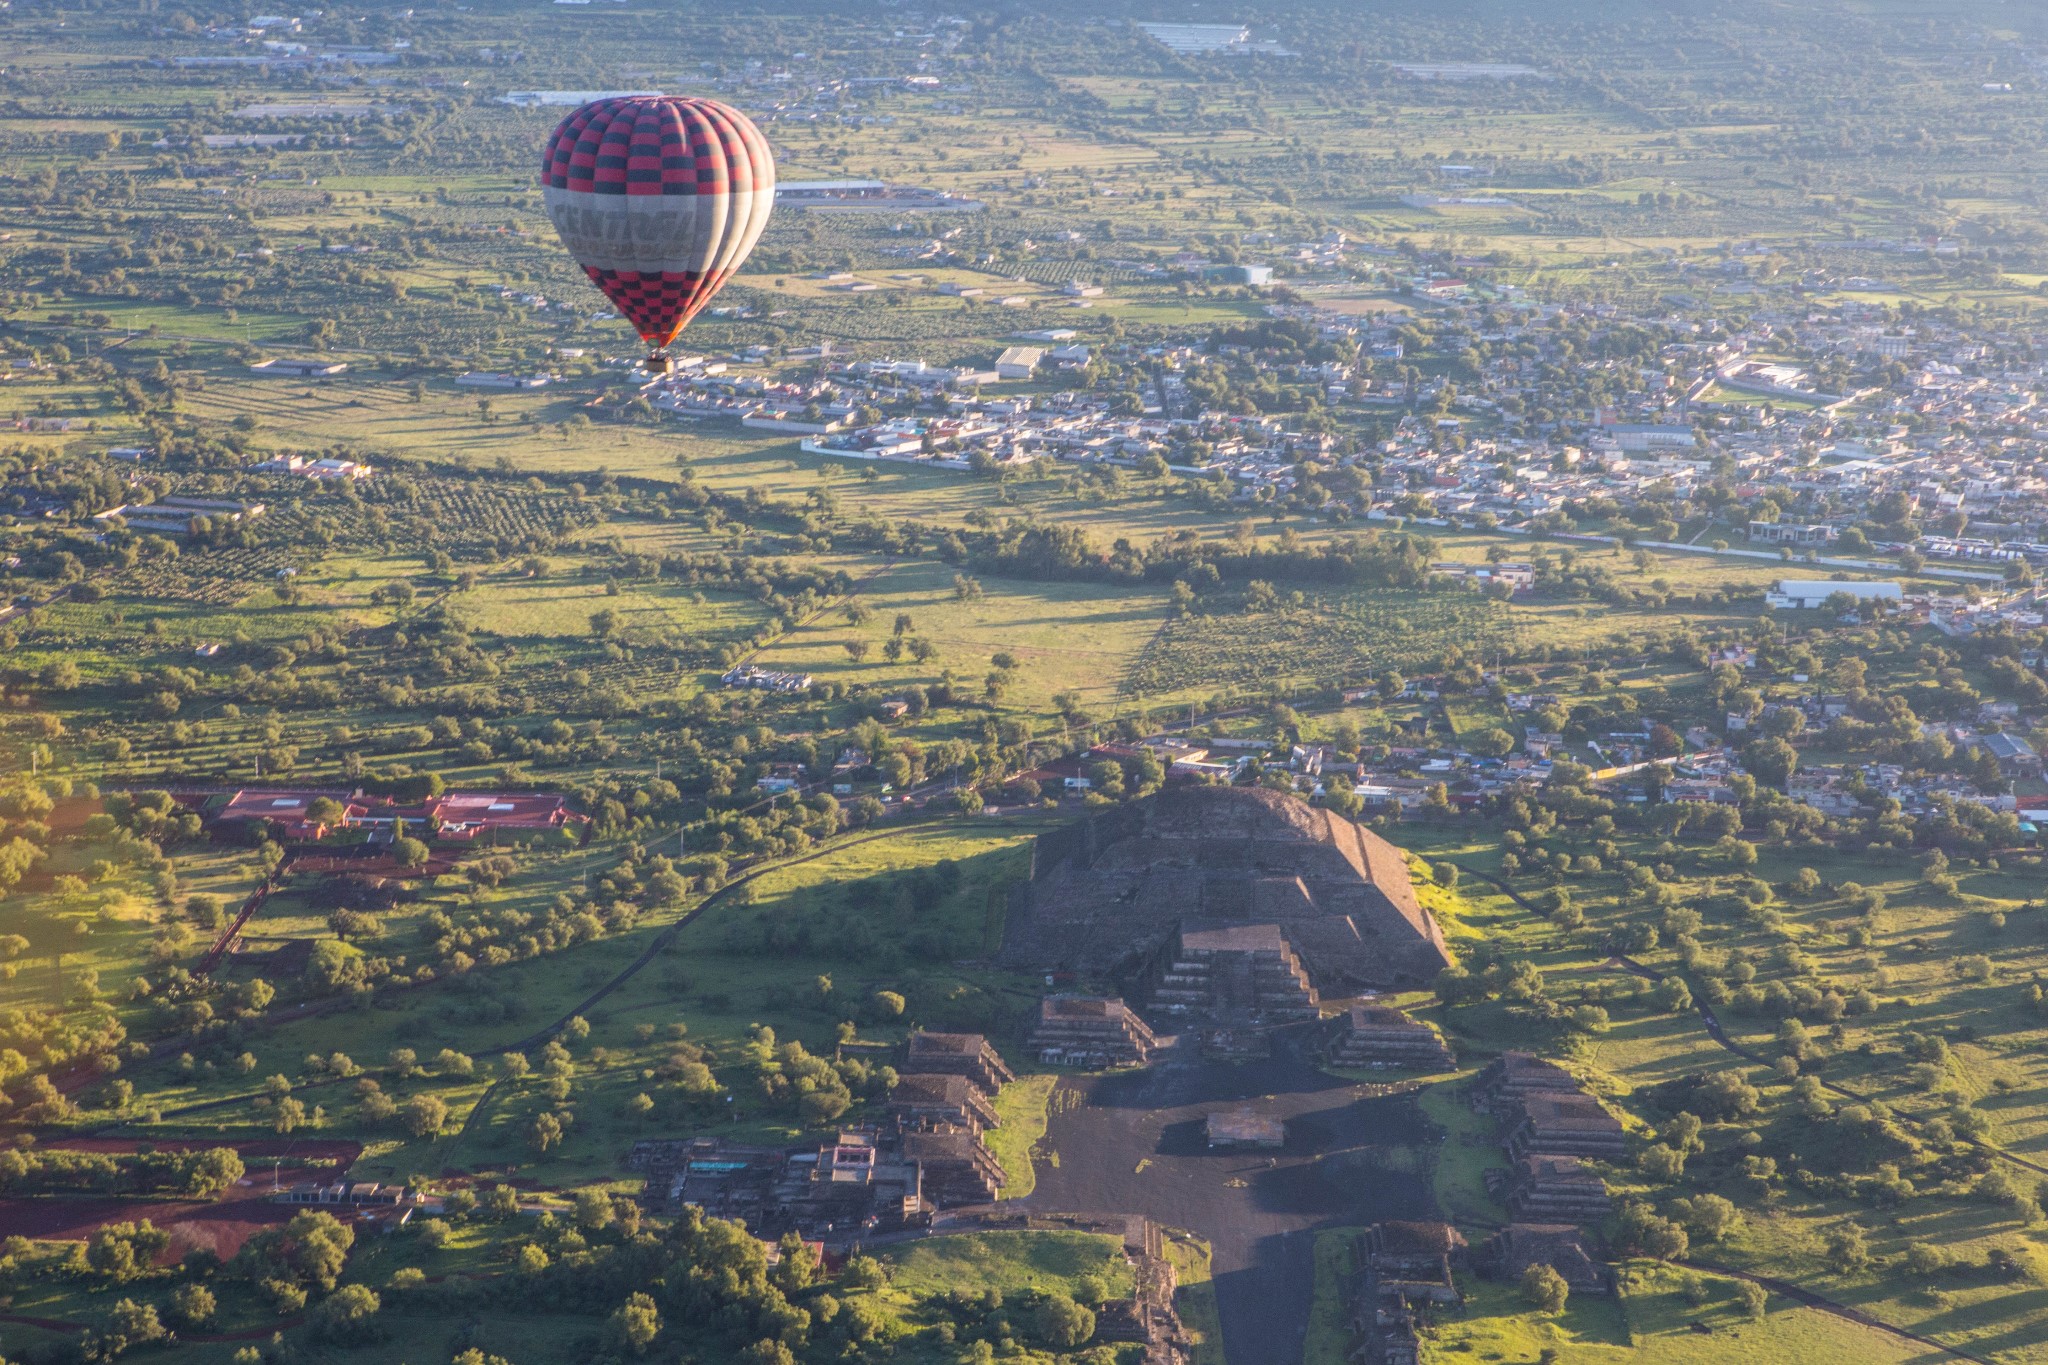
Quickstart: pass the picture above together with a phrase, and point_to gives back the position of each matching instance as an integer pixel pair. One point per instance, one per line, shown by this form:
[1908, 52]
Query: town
[1939, 458]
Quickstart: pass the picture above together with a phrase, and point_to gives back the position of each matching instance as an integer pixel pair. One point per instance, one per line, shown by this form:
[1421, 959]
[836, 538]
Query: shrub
[1545, 1289]
[192, 1305]
[1061, 1323]
[348, 1315]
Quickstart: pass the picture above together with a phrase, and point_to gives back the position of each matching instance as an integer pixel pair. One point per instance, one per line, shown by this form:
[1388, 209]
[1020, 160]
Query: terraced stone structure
[956, 1054]
[1380, 1035]
[1112, 894]
[940, 1102]
[1552, 1189]
[1234, 972]
[1078, 1030]
[1547, 1110]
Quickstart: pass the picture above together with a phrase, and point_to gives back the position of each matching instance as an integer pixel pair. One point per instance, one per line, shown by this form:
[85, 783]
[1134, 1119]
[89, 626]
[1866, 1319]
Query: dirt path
[1807, 1298]
[1715, 1031]
[535, 1039]
[1787, 1288]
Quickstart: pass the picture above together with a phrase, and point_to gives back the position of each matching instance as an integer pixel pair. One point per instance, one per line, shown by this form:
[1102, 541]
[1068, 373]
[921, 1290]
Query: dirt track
[1135, 1142]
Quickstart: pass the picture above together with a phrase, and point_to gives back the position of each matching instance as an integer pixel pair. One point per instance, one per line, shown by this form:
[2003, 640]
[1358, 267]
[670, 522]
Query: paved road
[1135, 1142]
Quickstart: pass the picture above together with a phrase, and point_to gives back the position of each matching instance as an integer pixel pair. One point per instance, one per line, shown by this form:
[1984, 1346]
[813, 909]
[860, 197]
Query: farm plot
[215, 578]
[476, 520]
[1469, 716]
[1073, 638]
[470, 518]
[561, 608]
[1331, 638]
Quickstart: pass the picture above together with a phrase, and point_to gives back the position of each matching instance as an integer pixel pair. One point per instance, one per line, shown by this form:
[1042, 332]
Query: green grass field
[1022, 1106]
[1195, 1299]
[1009, 1262]
[1653, 1321]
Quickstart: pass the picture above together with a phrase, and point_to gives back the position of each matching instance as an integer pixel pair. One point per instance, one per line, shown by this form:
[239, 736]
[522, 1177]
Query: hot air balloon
[659, 199]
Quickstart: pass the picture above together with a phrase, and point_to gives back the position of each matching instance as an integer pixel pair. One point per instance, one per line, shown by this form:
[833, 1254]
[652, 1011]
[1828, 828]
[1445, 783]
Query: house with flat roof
[1809, 593]
[1019, 362]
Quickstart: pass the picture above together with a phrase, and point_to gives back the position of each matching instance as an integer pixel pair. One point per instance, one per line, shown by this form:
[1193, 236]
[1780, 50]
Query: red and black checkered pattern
[658, 306]
[660, 200]
[655, 144]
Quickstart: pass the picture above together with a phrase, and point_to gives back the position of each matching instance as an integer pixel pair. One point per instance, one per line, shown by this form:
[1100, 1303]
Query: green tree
[593, 1210]
[128, 1324]
[325, 810]
[1545, 1289]
[1847, 1249]
[213, 1172]
[424, 1115]
[335, 966]
[192, 1305]
[1707, 1217]
[122, 1251]
[864, 1272]
[1491, 742]
[348, 1315]
[797, 1266]
[1771, 761]
[311, 1250]
[634, 1324]
[289, 1115]
[1061, 1323]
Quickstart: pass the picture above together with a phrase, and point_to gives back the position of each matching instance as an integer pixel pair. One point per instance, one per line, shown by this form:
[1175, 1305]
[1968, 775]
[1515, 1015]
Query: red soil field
[222, 1225]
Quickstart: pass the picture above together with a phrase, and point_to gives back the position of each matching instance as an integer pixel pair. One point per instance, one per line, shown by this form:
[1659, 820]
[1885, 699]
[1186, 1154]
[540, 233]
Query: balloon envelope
[659, 199]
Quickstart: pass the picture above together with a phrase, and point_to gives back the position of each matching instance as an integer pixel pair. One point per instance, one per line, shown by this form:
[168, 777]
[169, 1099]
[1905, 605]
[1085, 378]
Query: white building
[1189, 39]
[1634, 437]
[1791, 533]
[1807, 593]
[1019, 362]
[543, 99]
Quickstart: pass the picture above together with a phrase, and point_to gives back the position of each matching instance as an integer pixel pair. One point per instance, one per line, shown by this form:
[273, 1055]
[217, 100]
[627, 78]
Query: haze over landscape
[1161, 684]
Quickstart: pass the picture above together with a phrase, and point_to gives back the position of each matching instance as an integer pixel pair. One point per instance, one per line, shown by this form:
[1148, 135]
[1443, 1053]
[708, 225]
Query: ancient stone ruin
[1380, 1035]
[1551, 1189]
[1306, 893]
[1233, 971]
[1083, 1030]
[1546, 1111]
[956, 1054]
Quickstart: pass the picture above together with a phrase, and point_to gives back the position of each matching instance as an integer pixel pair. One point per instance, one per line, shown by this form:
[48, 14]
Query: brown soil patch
[221, 1227]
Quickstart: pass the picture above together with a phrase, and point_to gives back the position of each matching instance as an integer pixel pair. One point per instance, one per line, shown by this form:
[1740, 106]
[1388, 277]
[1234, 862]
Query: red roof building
[462, 816]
